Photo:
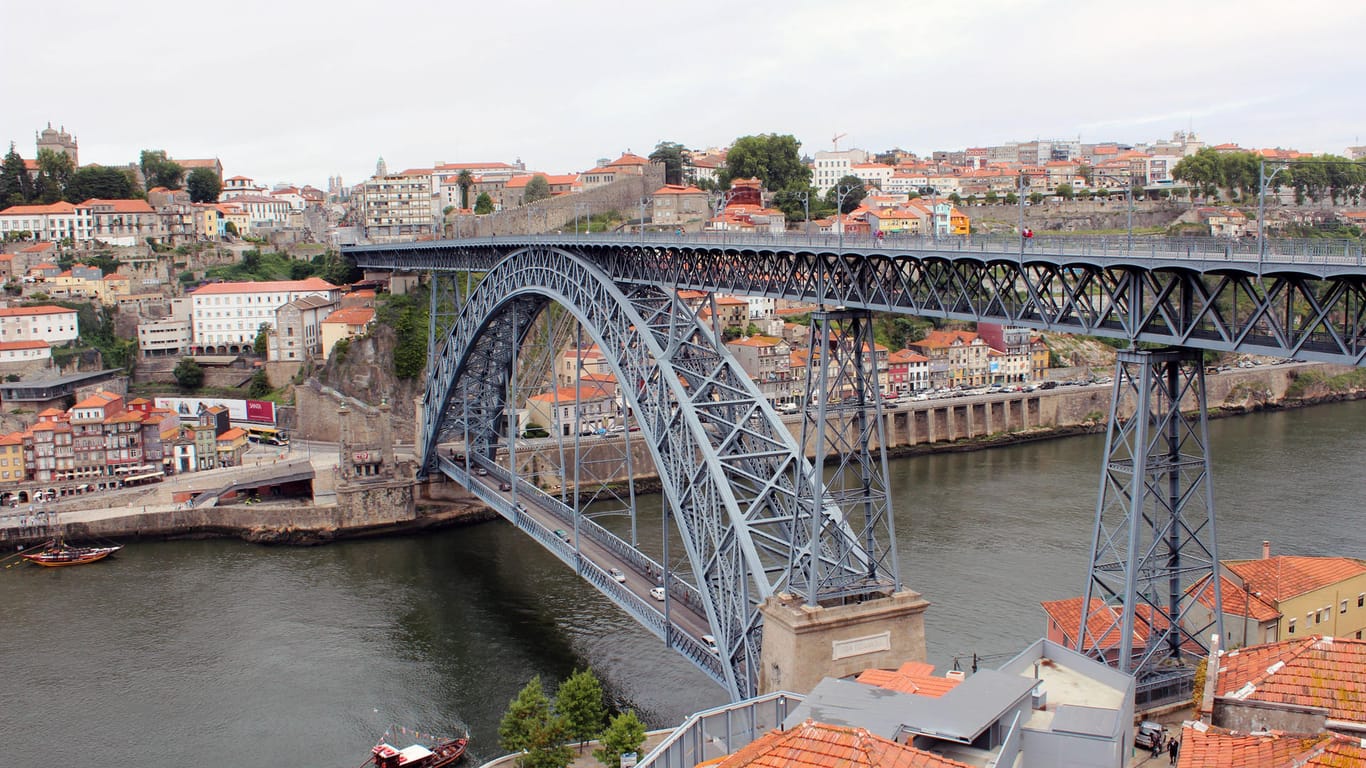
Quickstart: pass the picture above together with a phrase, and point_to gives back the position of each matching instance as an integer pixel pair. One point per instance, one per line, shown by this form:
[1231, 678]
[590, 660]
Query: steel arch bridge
[1154, 534]
[731, 475]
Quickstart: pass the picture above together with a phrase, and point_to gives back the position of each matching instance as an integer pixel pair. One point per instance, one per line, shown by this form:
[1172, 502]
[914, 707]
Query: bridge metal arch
[727, 466]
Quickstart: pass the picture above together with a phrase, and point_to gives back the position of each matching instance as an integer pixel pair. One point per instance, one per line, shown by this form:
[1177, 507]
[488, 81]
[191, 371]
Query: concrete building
[907, 372]
[1285, 597]
[53, 223]
[559, 413]
[768, 361]
[230, 446]
[957, 358]
[50, 324]
[165, 337]
[296, 333]
[12, 469]
[345, 323]
[117, 222]
[23, 353]
[829, 167]
[674, 204]
[227, 316]
[400, 206]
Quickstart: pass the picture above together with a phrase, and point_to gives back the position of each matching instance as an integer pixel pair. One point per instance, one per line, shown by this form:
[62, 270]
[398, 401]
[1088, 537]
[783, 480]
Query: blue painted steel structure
[747, 510]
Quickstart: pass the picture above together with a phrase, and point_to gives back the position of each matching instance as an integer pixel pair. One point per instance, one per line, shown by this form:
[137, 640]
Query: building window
[1361, 599]
[1291, 629]
[1343, 607]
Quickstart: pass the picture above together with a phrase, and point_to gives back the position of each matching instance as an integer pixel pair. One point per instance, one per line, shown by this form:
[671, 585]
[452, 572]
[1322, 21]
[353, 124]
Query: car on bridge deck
[562, 534]
[710, 641]
[505, 486]
[616, 575]
[657, 593]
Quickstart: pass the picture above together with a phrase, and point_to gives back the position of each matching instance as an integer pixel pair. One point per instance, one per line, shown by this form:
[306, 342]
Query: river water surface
[225, 653]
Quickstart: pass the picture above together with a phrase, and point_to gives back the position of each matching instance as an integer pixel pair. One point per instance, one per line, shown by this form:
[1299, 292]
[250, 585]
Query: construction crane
[836, 141]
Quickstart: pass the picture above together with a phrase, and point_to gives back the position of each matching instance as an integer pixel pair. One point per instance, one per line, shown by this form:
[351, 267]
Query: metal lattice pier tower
[1154, 531]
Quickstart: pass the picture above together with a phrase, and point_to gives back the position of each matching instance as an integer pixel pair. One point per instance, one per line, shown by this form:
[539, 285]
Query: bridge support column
[803, 644]
[1154, 532]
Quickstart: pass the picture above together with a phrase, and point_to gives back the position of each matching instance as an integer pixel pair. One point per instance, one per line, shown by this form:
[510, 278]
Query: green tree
[548, 748]
[260, 385]
[96, 181]
[529, 707]
[54, 173]
[464, 180]
[483, 204]
[251, 259]
[536, 189]
[956, 200]
[854, 191]
[1065, 191]
[158, 170]
[188, 374]
[1011, 198]
[579, 701]
[203, 185]
[15, 186]
[1035, 198]
[674, 156]
[991, 198]
[262, 340]
[775, 160]
[624, 734]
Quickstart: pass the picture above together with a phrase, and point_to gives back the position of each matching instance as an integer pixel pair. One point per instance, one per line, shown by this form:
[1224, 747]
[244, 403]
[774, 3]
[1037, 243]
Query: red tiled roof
[1285, 576]
[351, 316]
[756, 341]
[311, 284]
[32, 210]
[118, 206]
[1236, 599]
[906, 356]
[678, 189]
[589, 390]
[1313, 672]
[1067, 615]
[628, 159]
[916, 677]
[45, 309]
[94, 401]
[12, 345]
[818, 745]
[1208, 747]
[232, 434]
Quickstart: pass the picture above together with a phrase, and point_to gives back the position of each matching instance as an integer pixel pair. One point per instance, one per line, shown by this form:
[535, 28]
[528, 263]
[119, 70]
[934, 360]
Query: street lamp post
[643, 201]
[1129, 201]
[1020, 201]
[841, 192]
[1263, 181]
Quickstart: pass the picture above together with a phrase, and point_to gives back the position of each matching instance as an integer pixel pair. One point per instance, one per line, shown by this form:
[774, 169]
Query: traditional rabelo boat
[442, 752]
[58, 553]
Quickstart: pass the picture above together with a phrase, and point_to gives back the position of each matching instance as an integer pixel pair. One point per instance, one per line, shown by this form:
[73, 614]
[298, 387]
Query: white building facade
[227, 316]
[53, 325]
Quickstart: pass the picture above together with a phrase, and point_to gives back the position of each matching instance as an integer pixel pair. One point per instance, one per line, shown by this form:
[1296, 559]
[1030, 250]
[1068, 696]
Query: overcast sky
[288, 91]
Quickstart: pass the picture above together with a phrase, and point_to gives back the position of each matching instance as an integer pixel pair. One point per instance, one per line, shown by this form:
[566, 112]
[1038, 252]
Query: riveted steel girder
[1310, 303]
[726, 464]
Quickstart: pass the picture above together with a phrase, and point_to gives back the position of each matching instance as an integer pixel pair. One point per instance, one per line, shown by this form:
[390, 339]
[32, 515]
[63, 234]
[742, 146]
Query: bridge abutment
[803, 644]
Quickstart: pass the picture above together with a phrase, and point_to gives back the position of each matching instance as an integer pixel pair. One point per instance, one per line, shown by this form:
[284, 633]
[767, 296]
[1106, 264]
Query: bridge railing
[719, 731]
[1318, 251]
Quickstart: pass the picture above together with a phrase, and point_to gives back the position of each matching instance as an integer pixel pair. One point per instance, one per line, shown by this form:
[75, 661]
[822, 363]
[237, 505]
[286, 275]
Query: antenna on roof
[836, 141]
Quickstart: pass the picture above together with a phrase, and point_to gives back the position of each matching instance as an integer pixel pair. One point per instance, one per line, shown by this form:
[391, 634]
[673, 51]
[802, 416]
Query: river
[224, 653]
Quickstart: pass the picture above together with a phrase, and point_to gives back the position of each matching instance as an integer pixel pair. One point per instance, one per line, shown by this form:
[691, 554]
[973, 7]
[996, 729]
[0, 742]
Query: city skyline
[286, 95]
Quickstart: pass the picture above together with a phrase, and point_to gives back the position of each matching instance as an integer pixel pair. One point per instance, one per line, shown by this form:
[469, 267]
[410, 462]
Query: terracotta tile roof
[756, 341]
[1313, 672]
[118, 206]
[45, 309]
[94, 401]
[678, 189]
[351, 316]
[945, 338]
[628, 159]
[906, 356]
[589, 390]
[1209, 747]
[6, 346]
[916, 677]
[33, 210]
[1067, 615]
[14, 438]
[125, 418]
[232, 434]
[1285, 576]
[1236, 599]
[818, 745]
[311, 284]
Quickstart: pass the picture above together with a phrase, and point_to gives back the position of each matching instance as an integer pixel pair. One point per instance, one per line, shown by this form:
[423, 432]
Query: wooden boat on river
[57, 554]
[442, 752]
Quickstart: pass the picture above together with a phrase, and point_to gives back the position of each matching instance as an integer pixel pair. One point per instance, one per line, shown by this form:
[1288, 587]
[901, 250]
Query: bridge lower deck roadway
[691, 620]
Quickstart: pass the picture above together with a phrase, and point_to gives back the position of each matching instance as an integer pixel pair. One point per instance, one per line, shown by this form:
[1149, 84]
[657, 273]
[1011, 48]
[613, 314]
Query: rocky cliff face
[366, 372]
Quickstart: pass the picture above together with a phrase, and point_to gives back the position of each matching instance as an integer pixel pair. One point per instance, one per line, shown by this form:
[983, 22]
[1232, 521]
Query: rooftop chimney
[1266, 550]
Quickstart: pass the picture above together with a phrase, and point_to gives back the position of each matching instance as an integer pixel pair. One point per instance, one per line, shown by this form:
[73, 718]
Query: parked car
[1149, 733]
[657, 593]
[616, 575]
[1049, 385]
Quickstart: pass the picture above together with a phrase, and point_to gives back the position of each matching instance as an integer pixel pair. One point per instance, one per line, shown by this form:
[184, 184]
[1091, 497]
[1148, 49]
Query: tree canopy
[854, 192]
[673, 155]
[579, 701]
[203, 185]
[15, 186]
[464, 180]
[538, 188]
[483, 204]
[776, 160]
[188, 374]
[624, 734]
[158, 170]
[530, 724]
[54, 173]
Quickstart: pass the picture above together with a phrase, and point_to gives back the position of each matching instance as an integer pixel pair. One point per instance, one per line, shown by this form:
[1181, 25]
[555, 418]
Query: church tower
[57, 141]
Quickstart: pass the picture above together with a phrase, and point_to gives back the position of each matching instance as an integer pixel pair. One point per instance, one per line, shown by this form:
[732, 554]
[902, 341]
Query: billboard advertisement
[254, 411]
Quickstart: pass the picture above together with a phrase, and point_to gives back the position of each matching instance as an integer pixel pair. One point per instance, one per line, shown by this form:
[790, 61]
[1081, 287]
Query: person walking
[1172, 749]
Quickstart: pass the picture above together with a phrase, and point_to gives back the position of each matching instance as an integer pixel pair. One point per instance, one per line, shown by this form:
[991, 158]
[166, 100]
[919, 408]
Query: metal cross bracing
[1301, 300]
[1154, 541]
[727, 467]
